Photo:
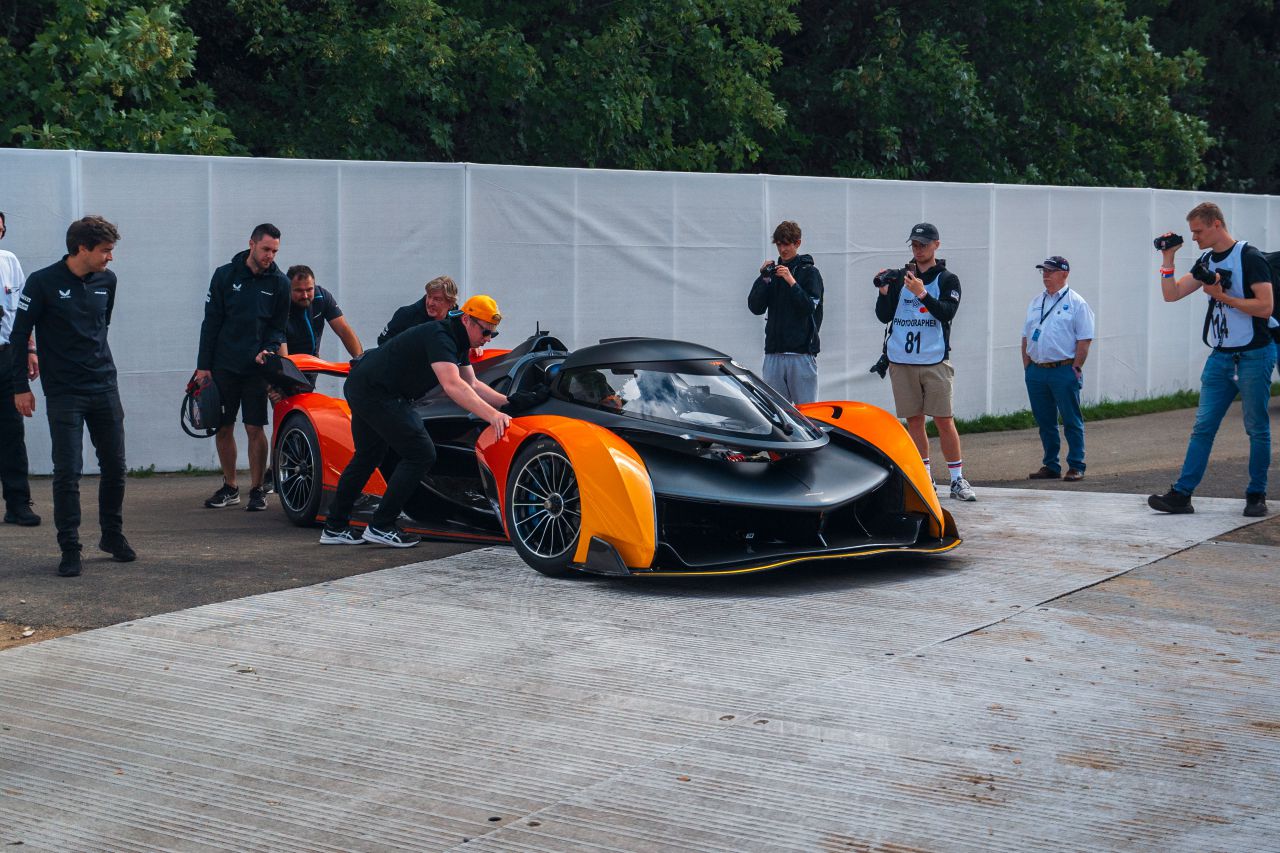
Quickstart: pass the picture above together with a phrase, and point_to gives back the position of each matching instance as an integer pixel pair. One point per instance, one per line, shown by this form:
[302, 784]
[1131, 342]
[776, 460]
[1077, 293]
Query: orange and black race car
[648, 457]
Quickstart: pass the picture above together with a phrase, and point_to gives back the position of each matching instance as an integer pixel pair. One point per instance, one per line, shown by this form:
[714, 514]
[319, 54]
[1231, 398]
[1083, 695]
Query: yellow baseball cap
[483, 308]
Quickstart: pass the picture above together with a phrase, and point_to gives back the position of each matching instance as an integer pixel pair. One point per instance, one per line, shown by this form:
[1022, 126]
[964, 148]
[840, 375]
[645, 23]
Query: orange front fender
[617, 494]
[886, 433]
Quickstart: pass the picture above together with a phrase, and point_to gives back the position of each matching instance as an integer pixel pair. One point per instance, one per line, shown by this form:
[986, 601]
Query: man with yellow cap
[381, 390]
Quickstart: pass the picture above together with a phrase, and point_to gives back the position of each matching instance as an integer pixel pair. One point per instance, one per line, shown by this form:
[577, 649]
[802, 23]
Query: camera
[1201, 273]
[1167, 241]
[890, 278]
[882, 366]
[769, 269]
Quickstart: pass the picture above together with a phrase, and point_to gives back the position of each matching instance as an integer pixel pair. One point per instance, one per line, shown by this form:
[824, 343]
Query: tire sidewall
[304, 516]
[557, 566]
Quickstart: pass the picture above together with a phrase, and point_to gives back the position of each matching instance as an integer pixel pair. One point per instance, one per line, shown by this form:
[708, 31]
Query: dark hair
[266, 229]
[300, 271]
[90, 232]
[786, 232]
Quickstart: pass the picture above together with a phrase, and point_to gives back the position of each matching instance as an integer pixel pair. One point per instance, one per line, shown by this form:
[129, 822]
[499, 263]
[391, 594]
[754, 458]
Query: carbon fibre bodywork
[648, 457]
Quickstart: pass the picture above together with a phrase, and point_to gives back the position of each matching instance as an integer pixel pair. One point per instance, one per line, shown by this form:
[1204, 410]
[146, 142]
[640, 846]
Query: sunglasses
[488, 333]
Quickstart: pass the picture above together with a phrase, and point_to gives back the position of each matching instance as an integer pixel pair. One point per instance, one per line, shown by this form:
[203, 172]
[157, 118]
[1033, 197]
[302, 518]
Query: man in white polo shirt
[1055, 344]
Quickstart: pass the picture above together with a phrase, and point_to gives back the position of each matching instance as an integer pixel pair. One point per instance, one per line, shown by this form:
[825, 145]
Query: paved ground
[1075, 677]
[192, 556]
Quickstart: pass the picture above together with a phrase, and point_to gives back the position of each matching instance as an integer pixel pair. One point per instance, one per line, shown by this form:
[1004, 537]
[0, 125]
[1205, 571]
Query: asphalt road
[189, 555]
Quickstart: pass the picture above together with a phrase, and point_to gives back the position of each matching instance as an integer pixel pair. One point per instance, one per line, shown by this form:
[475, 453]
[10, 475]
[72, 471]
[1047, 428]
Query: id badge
[1035, 336]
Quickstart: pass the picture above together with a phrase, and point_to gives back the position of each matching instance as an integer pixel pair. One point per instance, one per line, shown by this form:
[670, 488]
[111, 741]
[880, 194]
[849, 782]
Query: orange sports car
[647, 457]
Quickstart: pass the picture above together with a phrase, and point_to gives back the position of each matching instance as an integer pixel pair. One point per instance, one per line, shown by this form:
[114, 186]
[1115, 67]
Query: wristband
[1166, 272]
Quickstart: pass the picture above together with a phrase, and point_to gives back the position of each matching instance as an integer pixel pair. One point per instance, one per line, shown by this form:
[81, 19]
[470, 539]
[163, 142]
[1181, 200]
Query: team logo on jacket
[64, 294]
[236, 287]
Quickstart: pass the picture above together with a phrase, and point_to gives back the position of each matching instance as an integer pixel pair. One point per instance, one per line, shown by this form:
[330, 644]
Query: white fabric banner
[596, 253]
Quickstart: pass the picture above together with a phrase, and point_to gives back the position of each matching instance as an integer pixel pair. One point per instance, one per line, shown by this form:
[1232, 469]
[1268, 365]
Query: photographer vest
[916, 336]
[1226, 327]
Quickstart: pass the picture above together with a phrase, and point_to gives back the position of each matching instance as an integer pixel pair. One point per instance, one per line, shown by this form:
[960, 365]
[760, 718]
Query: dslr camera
[1167, 241]
[1201, 273]
[881, 367]
[890, 278]
[769, 269]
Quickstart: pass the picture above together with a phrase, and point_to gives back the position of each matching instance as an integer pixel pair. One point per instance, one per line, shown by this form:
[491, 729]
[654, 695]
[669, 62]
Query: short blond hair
[1208, 213]
[444, 284]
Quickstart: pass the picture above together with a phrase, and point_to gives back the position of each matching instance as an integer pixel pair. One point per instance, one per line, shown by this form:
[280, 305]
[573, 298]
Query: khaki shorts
[922, 389]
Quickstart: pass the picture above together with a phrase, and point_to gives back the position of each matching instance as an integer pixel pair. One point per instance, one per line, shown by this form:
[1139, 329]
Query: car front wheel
[297, 470]
[544, 508]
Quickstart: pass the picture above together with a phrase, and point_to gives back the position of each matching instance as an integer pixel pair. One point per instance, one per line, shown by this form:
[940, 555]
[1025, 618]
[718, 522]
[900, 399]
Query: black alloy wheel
[297, 468]
[544, 508]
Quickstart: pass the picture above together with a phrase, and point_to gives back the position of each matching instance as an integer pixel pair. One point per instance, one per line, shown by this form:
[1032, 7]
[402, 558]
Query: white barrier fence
[593, 253]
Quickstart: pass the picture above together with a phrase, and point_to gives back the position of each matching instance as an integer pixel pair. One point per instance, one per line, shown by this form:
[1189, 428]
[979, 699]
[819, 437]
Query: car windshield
[708, 395]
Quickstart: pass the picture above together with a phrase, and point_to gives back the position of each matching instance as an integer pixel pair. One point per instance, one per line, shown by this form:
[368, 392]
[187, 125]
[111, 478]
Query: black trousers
[13, 444]
[378, 422]
[68, 415]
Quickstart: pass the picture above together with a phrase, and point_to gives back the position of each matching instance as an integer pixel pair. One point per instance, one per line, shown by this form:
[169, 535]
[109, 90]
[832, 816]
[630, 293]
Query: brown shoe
[1073, 476]
[1045, 473]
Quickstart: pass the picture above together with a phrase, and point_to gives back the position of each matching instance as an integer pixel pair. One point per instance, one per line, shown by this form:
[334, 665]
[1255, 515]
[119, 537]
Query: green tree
[671, 84]
[100, 74]
[1241, 45]
[1003, 90]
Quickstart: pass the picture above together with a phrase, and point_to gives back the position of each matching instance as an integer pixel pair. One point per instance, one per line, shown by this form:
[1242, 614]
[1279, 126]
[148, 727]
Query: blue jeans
[794, 375]
[1252, 369]
[1055, 391]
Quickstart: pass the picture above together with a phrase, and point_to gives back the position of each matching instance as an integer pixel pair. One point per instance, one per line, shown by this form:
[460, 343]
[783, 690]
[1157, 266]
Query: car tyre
[543, 507]
[299, 483]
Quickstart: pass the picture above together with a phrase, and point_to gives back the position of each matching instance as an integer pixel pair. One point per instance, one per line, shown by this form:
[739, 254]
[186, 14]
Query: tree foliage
[1075, 92]
[1005, 90]
[105, 75]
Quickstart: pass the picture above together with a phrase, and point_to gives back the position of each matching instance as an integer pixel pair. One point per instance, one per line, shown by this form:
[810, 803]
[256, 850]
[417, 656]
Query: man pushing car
[381, 389]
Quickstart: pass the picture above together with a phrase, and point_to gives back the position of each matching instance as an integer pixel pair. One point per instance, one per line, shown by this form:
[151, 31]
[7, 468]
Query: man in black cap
[919, 313]
[1055, 343]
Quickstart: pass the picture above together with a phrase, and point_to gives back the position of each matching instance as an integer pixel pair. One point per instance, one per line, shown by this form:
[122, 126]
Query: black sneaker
[1255, 505]
[70, 565]
[118, 547]
[21, 515]
[340, 536]
[268, 481]
[257, 500]
[1172, 501]
[226, 496]
[395, 537]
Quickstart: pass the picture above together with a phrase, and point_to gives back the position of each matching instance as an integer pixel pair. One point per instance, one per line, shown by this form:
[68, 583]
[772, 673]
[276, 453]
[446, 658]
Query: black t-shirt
[402, 366]
[306, 325]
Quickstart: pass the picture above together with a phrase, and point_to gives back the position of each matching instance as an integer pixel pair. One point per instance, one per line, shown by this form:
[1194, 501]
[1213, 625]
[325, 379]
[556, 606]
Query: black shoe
[118, 547]
[21, 515]
[257, 500]
[1255, 506]
[1172, 501]
[226, 496]
[70, 565]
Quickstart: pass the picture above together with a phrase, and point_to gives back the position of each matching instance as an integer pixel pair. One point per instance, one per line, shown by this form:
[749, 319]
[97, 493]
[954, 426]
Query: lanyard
[311, 331]
[1044, 313]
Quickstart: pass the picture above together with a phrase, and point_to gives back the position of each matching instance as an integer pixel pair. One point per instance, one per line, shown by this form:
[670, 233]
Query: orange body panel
[331, 419]
[311, 364]
[617, 494]
[884, 431]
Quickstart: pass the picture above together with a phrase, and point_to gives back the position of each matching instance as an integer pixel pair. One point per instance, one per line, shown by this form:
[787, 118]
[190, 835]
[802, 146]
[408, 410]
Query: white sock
[957, 469]
[925, 460]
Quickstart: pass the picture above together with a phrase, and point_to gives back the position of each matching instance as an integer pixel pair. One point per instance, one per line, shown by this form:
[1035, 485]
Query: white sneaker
[962, 491]
[394, 538]
[345, 536]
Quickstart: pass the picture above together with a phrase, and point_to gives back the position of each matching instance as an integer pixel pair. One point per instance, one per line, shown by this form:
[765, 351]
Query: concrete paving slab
[986, 699]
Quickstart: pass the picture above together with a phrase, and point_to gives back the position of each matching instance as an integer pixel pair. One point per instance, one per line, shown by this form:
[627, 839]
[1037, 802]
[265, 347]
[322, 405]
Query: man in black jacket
[441, 298]
[789, 290]
[246, 314]
[919, 310]
[69, 305]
